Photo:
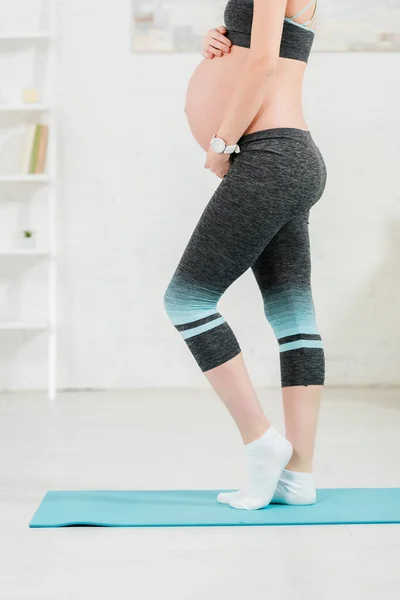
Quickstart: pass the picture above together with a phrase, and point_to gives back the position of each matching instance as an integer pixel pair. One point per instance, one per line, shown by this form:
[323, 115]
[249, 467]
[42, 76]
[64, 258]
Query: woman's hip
[283, 158]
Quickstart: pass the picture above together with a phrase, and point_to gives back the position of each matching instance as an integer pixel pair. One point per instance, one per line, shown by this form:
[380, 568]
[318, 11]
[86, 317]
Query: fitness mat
[191, 508]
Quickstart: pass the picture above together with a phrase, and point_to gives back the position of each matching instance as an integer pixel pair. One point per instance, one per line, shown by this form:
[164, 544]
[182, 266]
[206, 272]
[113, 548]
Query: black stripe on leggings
[198, 322]
[299, 336]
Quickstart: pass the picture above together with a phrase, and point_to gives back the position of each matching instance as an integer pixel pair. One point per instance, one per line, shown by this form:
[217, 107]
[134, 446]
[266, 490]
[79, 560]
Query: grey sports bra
[297, 38]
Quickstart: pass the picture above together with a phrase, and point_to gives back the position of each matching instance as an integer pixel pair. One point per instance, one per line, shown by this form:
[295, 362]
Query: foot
[266, 458]
[293, 488]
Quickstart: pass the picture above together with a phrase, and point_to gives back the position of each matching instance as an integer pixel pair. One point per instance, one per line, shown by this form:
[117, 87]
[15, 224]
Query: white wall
[132, 186]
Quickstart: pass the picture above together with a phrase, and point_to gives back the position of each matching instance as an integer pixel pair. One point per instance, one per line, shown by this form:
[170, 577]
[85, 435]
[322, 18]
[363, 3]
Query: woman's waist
[282, 107]
[278, 115]
[272, 138]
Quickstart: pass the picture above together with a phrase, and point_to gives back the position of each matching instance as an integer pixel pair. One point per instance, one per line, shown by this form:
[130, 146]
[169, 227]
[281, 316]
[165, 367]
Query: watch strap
[232, 149]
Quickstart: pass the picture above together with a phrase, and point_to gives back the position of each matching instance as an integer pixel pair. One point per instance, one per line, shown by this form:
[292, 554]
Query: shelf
[37, 41]
[16, 36]
[24, 178]
[24, 252]
[24, 108]
[21, 326]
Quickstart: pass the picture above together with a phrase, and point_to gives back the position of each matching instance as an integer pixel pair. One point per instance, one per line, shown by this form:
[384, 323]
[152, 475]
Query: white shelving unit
[22, 326]
[49, 179]
[25, 178]
[24, 252]
[28, 36]
[24, 108]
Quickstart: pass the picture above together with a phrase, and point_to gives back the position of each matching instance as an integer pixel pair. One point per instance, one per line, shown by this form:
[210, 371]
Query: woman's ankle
[300, 464]
[254, 433]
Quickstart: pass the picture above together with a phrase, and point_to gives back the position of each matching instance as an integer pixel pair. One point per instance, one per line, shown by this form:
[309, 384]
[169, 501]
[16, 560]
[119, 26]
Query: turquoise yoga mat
[190, 508]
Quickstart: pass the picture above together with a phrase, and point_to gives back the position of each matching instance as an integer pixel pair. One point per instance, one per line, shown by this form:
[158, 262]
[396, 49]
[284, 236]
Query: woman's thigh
[239, 221]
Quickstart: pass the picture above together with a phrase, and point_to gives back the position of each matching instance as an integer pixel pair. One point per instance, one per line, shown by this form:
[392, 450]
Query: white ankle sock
[226, 497]
[266, 458]
[295, 488]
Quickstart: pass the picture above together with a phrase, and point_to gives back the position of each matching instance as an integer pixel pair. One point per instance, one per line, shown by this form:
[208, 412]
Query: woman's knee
[168, 300]
[189, 304]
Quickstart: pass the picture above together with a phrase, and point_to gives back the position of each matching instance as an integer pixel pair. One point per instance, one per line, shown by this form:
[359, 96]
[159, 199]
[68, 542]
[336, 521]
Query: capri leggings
[257, 218]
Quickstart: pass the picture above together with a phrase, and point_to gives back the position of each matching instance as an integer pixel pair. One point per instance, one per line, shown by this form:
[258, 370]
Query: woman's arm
[257, 77]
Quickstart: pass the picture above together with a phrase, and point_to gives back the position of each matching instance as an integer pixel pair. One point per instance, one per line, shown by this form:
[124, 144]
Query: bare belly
[213, 82]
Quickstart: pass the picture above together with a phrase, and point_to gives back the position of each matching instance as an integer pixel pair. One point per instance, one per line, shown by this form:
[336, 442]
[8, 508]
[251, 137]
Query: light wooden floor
[185, 439]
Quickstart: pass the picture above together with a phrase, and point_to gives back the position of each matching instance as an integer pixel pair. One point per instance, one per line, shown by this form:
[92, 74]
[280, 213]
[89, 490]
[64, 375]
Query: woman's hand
[215, 43]
[218, 163]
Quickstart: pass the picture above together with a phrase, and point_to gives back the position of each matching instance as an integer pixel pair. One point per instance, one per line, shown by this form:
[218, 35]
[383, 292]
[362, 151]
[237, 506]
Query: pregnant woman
[244, 107]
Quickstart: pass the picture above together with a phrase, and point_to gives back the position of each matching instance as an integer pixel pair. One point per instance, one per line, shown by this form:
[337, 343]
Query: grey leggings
[257, 218]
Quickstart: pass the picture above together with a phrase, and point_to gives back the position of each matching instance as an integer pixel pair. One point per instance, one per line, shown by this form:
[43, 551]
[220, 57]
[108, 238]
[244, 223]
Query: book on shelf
[36, 149]
[28, 148]
[42, 149]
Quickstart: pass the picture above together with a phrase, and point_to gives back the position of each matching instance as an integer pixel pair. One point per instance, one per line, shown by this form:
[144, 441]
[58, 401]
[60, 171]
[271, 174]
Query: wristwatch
[220, 147]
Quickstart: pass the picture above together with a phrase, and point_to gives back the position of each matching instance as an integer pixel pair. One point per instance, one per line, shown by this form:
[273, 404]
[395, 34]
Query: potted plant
[28, 240]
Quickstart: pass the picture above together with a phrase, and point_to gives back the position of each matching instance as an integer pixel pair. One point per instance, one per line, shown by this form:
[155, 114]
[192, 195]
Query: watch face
[218, 145]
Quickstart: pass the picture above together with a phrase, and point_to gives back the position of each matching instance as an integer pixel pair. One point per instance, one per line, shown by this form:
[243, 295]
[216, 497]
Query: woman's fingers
[216, 43]
[219, 44]
[210, 50]
[219, 33]
[219, 173]
[215, 48]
